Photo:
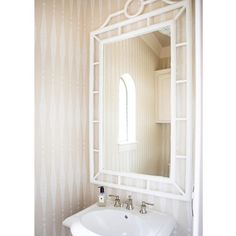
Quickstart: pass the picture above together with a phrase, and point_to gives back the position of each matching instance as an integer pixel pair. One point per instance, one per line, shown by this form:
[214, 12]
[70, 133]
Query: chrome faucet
[143, 209]
[117, 202]
[129, 203]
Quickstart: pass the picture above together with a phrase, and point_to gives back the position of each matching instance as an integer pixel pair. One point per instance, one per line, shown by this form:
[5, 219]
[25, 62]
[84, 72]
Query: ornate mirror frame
[179, 18]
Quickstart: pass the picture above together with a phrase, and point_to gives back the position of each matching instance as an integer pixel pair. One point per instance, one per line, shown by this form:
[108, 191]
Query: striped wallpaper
[61, 88]
[61, 116]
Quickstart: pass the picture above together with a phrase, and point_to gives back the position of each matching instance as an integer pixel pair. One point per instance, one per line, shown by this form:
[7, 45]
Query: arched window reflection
[127, 110]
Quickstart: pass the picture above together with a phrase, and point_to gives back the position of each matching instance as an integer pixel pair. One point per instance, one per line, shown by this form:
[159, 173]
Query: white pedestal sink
[111, 221]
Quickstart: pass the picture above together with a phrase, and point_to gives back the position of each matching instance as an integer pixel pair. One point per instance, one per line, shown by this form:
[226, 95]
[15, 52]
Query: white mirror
[140, 99]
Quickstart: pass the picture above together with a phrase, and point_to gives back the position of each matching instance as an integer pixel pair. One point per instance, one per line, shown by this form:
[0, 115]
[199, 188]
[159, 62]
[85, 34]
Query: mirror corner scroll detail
[140, 117]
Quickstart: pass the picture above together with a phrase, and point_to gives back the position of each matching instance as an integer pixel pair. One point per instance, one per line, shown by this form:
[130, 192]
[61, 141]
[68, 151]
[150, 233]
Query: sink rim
[76, 219]
[68, 221]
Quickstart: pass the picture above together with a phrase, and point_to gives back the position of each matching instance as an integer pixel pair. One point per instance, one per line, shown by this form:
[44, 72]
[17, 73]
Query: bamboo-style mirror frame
[179, 184]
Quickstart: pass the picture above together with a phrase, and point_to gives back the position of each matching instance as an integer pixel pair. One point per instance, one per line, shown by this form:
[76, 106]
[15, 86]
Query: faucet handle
[117, 200]
[147, 203]
[112, 195]
[143, 209]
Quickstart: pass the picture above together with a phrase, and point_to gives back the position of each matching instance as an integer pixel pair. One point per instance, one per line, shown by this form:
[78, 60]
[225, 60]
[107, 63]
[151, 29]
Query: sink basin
[97, 221]
[109, 222]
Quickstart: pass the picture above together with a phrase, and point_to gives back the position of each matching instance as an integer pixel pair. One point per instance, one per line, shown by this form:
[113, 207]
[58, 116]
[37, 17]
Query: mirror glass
[136, 104]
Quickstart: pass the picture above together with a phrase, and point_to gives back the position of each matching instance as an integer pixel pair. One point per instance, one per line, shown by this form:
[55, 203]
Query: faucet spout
[129, 203]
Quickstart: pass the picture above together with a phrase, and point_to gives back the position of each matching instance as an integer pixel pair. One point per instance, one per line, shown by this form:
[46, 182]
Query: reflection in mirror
[136, 104]
[127, 107]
